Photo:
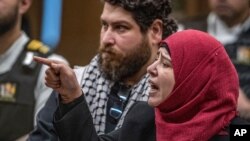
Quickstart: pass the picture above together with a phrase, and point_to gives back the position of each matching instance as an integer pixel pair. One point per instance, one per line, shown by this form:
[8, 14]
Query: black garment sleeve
[73, 122]
[44, 131]
[77, 124]
[235, 121]
[139, 124]
[64, 108]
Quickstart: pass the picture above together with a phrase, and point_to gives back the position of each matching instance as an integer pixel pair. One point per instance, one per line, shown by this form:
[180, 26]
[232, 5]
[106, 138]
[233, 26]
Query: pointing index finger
[42, 60]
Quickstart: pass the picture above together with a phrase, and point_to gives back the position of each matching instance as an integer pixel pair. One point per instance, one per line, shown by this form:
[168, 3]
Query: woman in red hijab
[194, 87]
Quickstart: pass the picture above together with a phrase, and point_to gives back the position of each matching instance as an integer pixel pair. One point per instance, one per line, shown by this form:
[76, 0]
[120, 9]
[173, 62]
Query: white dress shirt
[223, 33]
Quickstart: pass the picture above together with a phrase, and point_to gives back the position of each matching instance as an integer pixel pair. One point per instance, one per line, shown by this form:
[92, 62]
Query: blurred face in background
[11, 12]
[230, 9]
[8, 15]
[124, 49]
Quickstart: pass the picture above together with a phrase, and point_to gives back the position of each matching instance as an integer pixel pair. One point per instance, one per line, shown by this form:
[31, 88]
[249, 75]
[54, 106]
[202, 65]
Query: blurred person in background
[22, 89]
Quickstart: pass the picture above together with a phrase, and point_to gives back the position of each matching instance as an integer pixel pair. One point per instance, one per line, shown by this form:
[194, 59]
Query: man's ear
[24, 5]
[156, 31]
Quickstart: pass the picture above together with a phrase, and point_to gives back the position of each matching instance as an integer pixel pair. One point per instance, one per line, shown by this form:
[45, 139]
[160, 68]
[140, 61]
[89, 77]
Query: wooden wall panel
[80, 28]
[188, 9]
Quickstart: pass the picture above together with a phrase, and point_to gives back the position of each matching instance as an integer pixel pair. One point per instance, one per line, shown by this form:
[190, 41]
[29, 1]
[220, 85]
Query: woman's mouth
[153, 88]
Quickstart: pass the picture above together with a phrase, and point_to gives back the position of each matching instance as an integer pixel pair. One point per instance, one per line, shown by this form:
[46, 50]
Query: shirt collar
[222, 32]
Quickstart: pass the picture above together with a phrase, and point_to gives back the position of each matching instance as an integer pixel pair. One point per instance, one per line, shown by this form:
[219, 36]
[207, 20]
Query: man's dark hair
[145, 12]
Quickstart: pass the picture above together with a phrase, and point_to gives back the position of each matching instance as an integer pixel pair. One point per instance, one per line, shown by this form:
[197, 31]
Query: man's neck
[138, 76]
[135, 78]
[7, 39]
[237, 20]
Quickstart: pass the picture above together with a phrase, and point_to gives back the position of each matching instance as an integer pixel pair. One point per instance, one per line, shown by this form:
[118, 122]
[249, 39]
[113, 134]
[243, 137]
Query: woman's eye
[166, 64]
[157, 57]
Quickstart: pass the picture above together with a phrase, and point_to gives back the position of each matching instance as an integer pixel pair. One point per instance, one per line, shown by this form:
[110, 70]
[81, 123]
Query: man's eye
[121, 28]
[104, 26]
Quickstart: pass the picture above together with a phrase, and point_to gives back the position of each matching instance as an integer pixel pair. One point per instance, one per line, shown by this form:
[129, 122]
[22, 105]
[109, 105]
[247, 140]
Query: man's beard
[8, 21]
[118, 67]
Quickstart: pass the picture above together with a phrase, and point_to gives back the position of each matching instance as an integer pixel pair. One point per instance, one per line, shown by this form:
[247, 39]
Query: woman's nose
[152, 68]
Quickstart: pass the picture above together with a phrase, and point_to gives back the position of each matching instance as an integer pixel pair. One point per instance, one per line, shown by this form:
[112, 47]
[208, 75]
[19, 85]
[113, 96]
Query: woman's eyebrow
[165, 56]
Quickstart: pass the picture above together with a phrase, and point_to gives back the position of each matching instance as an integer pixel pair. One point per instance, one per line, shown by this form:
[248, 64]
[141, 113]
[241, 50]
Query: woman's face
[162, 79]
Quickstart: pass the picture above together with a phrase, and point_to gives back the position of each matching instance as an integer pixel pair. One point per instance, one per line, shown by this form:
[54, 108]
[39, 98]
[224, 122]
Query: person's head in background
[194, 87]
[232, 12]
[130, 33]
[11, 12]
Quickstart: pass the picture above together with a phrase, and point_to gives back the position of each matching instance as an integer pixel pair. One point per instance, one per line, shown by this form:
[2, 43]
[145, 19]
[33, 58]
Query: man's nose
[108, 37]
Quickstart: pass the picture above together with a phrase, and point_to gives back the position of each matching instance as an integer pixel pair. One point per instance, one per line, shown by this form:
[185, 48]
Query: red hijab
[204, 98]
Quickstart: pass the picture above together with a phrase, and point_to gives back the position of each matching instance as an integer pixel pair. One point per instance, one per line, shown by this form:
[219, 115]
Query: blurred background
[80, 25]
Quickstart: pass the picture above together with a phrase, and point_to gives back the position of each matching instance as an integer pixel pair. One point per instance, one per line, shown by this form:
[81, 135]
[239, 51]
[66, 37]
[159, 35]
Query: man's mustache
[107, 49]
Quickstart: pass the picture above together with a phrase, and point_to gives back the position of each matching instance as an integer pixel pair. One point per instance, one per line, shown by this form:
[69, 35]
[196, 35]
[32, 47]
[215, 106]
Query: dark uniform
[17, 86]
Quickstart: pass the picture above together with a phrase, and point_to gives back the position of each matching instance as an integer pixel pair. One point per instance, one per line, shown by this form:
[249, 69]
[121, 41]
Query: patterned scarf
[96, 90]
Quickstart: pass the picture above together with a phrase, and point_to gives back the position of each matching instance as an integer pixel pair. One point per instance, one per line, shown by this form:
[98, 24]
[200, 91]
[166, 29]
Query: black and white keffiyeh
[96, 90]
